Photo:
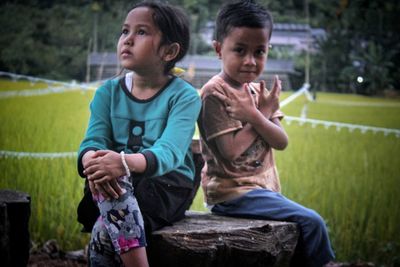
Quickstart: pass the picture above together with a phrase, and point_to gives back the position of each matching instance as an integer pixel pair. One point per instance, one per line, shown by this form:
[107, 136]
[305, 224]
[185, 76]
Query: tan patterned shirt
[255, 168]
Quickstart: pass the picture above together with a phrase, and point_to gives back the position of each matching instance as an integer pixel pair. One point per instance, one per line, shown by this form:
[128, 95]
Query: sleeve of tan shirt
[215, 119]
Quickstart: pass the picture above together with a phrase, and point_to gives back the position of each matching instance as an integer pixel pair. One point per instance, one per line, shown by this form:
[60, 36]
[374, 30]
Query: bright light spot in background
[360, 79]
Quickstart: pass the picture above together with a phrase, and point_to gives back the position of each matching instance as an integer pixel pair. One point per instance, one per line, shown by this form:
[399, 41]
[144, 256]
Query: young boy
[240, 125]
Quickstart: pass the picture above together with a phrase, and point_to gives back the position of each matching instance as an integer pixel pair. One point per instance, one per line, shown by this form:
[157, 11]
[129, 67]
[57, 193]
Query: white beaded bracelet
[128, 172]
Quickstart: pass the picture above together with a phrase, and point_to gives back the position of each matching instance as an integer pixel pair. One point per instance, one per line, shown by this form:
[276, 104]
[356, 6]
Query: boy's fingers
[262, 86]
[220, 96]
[276, 88]
[262, 91]
[247, 90]
[230, 93]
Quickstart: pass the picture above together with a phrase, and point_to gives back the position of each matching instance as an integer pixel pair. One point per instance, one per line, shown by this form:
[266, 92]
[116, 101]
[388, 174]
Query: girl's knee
[101, 249]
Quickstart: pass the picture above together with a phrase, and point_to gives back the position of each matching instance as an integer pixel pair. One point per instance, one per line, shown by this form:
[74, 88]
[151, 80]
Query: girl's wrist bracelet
[128, 172]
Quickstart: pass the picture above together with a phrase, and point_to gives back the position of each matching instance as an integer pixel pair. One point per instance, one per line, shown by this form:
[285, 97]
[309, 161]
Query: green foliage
[362, 41]
[48, 42]
[350, 178]
[53, 39]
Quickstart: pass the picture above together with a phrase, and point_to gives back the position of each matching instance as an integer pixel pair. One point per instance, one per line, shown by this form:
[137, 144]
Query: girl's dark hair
[245, 13]
[174, 26]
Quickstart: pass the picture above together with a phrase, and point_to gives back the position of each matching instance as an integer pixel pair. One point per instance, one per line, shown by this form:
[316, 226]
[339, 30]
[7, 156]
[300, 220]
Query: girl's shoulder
[179, 86]
[109, 85]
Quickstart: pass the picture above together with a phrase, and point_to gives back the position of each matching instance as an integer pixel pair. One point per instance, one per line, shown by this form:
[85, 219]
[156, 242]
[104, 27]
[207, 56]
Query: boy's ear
[171, 51]
[217, 48]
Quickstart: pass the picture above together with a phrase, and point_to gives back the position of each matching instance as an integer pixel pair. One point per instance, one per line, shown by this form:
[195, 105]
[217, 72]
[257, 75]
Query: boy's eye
[260, 52]
[238, 50]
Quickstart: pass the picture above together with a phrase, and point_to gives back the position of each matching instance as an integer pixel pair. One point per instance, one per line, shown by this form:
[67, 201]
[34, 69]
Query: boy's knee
[315, 220]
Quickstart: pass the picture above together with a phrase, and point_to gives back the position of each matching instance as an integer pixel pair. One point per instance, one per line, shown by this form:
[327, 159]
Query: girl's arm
[98, 137]
[171, 148]
[104, 166]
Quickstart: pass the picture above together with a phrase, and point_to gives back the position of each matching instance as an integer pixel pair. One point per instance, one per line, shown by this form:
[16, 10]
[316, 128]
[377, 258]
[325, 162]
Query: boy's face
[244, 53]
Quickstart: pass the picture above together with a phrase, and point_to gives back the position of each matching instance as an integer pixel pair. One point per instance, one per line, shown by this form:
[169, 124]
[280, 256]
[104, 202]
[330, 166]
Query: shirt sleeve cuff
[151, 163]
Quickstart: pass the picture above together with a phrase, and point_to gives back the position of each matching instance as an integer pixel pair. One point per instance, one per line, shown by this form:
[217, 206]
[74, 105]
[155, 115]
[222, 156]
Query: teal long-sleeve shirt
[161, 127]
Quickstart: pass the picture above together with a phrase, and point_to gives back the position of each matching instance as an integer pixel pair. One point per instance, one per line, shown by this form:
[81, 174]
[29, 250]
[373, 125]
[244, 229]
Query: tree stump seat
[203, 239]
[14, 227]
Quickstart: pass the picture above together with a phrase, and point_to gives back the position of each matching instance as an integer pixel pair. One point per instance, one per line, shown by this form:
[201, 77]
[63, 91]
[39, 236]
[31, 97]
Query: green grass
[9, 85]
[351, 179]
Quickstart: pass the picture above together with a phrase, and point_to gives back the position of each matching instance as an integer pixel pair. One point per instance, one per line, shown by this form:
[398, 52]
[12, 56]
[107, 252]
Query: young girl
[240, 125]
[136, 152]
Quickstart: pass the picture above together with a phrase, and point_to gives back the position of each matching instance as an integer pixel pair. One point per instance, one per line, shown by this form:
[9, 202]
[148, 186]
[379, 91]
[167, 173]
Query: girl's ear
[171, 51]
[217, 48]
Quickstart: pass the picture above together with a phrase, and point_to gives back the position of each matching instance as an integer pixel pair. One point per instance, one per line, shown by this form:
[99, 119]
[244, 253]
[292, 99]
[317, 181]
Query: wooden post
[207, 240]
[14, 228]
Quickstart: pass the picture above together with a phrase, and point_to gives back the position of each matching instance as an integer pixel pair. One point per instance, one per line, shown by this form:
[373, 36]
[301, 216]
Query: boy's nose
[249, 60]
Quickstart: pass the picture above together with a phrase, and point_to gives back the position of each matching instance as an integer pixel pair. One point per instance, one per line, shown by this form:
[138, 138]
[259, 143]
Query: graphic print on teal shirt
[161, 127]
[136, 131]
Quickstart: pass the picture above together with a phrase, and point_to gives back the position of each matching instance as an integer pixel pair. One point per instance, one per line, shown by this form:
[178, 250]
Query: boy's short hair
[245, 13]
[173, 24]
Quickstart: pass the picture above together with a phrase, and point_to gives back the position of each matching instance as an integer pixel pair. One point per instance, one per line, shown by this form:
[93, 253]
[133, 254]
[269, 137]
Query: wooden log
[207, 240]
[14, 228]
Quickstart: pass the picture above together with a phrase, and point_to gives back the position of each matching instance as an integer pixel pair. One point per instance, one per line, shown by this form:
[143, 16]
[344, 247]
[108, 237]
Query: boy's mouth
[248, 71]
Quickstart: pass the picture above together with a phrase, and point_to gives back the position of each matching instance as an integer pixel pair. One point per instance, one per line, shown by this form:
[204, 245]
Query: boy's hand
[269, 103]
[240, 105]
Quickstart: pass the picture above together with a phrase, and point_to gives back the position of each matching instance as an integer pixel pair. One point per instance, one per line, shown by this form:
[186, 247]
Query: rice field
[351, 178]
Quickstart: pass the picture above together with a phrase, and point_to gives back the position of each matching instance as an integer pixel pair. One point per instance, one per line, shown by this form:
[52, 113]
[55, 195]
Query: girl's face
[139, 44]
[244, 54]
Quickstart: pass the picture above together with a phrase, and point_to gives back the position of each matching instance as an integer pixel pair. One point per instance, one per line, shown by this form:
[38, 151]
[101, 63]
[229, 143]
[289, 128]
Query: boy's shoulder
[211, 86]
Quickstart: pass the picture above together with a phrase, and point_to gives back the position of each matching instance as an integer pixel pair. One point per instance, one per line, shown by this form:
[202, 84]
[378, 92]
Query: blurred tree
[46, 41]
[362, 41]
[51, 39]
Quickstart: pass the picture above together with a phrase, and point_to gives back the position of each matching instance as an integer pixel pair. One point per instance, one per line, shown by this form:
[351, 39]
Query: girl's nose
[128, 40]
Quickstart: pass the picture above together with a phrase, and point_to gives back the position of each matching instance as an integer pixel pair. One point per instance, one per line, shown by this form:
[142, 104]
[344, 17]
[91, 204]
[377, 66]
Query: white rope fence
[38, 155]
[302, 90]
[340, 125]
[288, 119]
[61, 88]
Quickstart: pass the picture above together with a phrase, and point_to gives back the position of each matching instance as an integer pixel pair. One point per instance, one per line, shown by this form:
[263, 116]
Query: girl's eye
[141, 32]
[124, 31]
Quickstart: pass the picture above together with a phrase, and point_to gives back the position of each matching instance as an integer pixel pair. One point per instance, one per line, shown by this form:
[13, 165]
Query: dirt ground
[50, 255]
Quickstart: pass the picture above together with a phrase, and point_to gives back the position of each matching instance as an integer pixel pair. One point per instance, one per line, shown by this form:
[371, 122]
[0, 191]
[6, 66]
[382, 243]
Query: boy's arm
[233, 144]
[241, 106]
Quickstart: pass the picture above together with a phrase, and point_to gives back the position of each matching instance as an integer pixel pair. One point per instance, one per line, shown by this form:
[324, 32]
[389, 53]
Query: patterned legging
[118, 229]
